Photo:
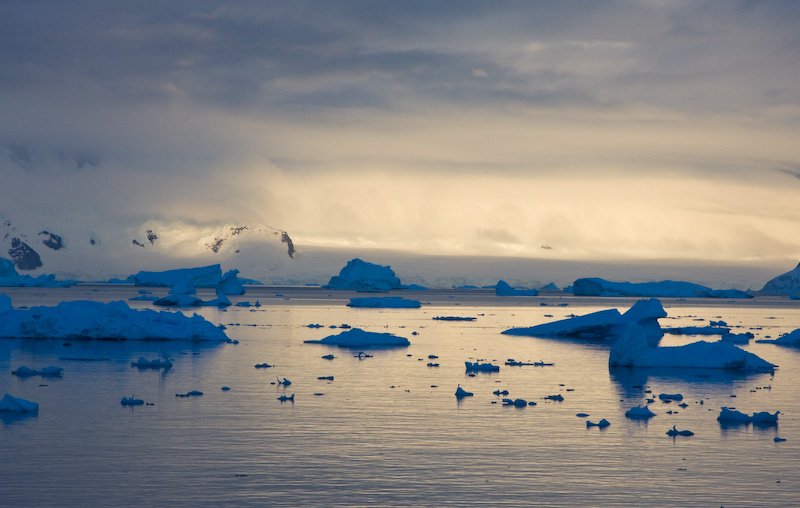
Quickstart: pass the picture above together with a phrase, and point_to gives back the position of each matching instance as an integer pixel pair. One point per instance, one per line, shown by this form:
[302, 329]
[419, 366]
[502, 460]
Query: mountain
[96, 252]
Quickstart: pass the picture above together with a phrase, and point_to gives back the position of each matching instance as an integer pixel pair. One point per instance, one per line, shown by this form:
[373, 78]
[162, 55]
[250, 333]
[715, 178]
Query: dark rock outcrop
[23, 255]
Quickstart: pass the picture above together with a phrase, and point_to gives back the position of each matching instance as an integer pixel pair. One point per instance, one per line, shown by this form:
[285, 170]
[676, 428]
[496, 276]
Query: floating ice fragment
[357, 337]
[130, 401]
[481, 367]
[284, 398]
[639, 412]
[670, 396]
[193, 393]
[389, 302]
[17, 405]
[461, 393]
[515, 402]
[675, 432]
[264, 365]
[558, 397]
[51, 371]
[602, 423]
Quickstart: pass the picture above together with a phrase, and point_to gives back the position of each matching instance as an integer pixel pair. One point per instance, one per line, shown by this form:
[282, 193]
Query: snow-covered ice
[10, 278]
[594, 286]
[788, 282]
[790, 339]
[51, 371]
[80, 319]
[639, 412]
[356, 337]
[204, 276]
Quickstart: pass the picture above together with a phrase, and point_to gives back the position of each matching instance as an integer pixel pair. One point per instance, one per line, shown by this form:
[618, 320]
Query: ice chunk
[461, 393]
[670, 396]
[789, 339]
[81, 319]
[18, 405]
[675, 432]
[230, 284]
[632, 350]
[602, 423]
[389, 302]
[727, 415]
[131, 401]
[51, 371]
[356, 337]
[639, 412]
[738, 338]
[728, 293]
[360, 275]
[481, 367]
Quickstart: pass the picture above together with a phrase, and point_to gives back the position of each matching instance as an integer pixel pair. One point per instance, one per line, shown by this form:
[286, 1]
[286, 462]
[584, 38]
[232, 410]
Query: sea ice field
[382, 426]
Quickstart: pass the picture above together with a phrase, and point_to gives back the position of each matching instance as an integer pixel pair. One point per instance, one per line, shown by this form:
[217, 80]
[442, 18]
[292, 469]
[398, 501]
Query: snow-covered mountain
[92, 252]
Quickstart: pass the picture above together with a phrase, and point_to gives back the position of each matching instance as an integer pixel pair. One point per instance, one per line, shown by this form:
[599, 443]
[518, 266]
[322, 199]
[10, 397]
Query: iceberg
[632, 350]
[230, 284]
[738, 338]
[205, 276]
[481, 367]
[668, 288]
[389, 302]
[88, 320]
[186, 300]
[10, 278]
[17, 405]
[461, 393]
[788, 282]
[789, 339]
[504, 289]
[728, 293]
[356, 337]
[360, 275]
[130, 401]
[51, 371]
[602, 325]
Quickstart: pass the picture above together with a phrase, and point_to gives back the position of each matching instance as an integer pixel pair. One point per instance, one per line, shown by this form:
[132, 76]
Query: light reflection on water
[388, 431]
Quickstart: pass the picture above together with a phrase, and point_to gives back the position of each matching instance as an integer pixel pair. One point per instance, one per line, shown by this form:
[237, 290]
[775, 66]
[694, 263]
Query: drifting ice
[18, 405]
[356, 337]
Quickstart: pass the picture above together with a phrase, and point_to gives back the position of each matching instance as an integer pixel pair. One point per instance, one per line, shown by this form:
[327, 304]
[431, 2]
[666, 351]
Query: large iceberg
[356, 337]
[603, 325]
[389, 302]
[788, 282]
[632, 350]
[504, 289]
[788, 339]
[668, 288]
[81, 319]
[205, 276]
[360, 275]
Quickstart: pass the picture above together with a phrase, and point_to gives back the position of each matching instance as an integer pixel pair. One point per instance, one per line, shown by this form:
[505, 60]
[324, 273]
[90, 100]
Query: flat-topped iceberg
[82, 319]
[600, 287]
[204, 276]
[504, 289]
[388, 302]
[602, 325]
[731, 416]
[17, 405]
[633, 350]
[360, 275]
[356, 337]
[788, 282]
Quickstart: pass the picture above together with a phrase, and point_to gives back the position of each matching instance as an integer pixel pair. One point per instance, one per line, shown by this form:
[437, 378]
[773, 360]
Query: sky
[568, 130]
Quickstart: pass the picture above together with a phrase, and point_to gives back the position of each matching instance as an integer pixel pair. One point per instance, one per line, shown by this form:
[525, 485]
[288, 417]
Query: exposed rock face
[23, 255]
[288, 241]
[51, 240]
[787, 282]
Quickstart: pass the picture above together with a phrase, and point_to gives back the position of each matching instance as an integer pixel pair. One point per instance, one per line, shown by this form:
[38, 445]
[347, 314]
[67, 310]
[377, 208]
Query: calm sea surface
[388, 430]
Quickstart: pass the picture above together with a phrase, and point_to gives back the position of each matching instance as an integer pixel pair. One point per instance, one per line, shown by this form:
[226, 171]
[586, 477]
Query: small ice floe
[159, 363]
[602, 423]
[789, 339]
[454, 318]
[362, 355]
[461, 393]
[243, 304]
[225, 388]
[558, 397]
[675, 432]
[698, 330]
[738, 338]
[285, 381]
[284, 398]
[314, 325]
[515, 363]
[328, 378]
[582, 415]
[328, 357]
[433, 364]
[193, 393]
[264, 365]
[515, 402]
[779, 439]
[17, 405]
[670, 396]
[502, 288]
[51, 371]
[131, 401]
[732, 417]
[143, 298]
[481, 367]
[639, 413]
[500, 392]
[356, 337]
